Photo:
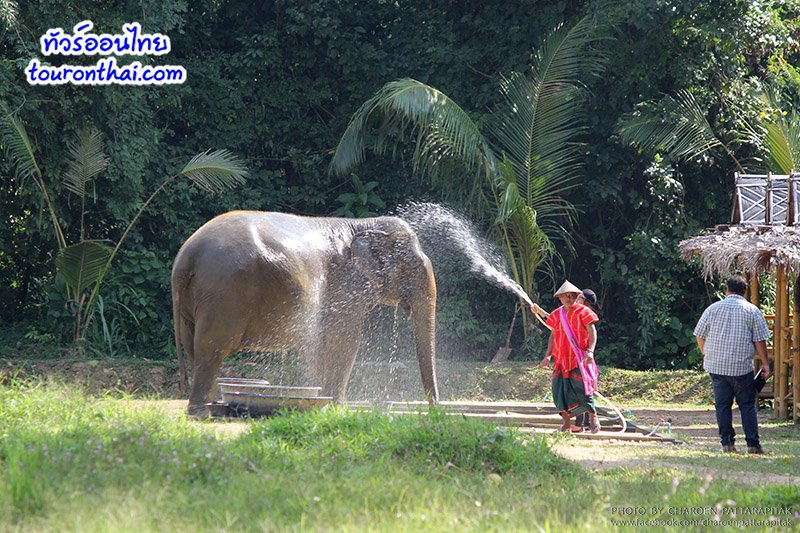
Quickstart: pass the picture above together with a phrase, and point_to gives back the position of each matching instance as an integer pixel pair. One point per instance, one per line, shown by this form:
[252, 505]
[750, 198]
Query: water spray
[436, 225]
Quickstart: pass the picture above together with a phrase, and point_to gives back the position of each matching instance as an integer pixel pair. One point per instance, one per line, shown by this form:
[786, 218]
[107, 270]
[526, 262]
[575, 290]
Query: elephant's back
[245, 254]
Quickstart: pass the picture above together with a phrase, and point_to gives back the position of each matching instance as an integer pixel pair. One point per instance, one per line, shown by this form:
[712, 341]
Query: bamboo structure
[773, 250]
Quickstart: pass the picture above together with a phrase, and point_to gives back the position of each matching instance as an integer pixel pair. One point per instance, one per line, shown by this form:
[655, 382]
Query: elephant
[264, 281]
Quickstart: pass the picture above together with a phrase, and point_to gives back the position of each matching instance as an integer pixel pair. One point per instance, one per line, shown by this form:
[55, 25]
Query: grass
[72, 462]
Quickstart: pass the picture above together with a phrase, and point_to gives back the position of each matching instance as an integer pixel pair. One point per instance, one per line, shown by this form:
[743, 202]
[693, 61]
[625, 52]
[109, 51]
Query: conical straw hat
[566, 288]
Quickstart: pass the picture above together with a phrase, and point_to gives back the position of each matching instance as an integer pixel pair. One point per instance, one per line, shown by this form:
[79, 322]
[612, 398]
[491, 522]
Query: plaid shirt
[730, 328]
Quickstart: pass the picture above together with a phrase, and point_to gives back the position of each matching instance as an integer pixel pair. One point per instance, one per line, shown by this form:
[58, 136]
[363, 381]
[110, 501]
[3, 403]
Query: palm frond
[533, 245]
[569, 54]
[781, 139]
[215, 171]
[542, 118]
[8, 13]
[678, 127]
[506, 183]
[777, 143]
[444, 131]
[83, 264]
[86, 160]
[22, 156]
[18, 146]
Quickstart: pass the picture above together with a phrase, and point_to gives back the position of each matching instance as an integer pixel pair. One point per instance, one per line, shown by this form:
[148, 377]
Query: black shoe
[730, 448]
[755, 450]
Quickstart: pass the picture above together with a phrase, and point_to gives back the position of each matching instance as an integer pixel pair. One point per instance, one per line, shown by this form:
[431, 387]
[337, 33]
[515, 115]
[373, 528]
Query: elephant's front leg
[334, 353]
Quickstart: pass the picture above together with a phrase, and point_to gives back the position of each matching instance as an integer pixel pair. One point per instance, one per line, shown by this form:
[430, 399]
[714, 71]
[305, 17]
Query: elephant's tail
[183, 383]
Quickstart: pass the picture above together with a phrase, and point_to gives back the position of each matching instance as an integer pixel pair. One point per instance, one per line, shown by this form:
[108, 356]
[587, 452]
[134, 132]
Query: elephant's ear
[370, 251]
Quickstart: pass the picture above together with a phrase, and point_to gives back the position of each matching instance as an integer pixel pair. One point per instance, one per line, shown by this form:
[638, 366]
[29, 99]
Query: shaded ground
[373, 380]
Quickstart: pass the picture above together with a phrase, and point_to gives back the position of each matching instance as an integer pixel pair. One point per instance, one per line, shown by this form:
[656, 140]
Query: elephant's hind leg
[207, 360]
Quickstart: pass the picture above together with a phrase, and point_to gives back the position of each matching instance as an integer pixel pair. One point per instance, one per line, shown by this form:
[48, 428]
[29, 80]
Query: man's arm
[544, 363]
[592, 340]
[701, 330]
[535, 309]
[761, 331]
[761, 351]
[700, 343]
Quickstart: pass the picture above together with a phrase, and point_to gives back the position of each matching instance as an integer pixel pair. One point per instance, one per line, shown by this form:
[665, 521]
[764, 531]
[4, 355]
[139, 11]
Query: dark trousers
[743, 390]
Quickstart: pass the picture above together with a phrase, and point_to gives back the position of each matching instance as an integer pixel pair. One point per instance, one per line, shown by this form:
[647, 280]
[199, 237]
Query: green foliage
[277, 83]
[646, 271]
[362, 202]
[82, 264]
[527, 160]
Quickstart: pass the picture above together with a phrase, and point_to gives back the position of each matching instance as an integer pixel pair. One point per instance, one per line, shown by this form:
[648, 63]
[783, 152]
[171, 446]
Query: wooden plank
[539, 424]
[514, 419]
[530, 413]
[536, 408]
[604, 435]
[520, 407]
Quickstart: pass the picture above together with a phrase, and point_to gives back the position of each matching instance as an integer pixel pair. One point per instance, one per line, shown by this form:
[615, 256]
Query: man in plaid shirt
[728, 334]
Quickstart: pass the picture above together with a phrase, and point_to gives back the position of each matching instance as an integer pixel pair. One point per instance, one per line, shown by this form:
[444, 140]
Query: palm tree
[84, 264]
[778, 136]
[526, 157]
[675, 126]
[678, 128]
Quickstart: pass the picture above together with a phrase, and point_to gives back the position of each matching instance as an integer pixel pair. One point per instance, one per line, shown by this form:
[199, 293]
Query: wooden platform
[527, 416]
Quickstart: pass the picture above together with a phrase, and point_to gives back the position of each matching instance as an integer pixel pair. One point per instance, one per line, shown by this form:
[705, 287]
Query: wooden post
[777, 338]
[755, 299]
[796, 350]
[754, 296]
[786, 358]
[782, 366]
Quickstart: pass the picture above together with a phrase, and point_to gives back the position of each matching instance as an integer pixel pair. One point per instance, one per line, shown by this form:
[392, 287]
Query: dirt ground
[698, 447]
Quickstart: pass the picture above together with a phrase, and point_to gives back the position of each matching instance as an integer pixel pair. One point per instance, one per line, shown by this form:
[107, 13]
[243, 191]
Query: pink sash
[589, 371]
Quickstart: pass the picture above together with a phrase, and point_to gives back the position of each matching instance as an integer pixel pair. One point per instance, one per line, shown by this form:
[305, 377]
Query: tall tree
[524, 158]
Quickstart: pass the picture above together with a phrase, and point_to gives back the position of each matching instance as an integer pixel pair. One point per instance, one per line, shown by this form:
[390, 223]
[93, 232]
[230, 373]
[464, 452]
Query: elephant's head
[399, 273]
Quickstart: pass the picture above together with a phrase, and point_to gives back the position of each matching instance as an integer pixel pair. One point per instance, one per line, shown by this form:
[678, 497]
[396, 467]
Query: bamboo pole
[754, 296]
[796, 349]
[776, 348]
[755, 299]
[783, 378]
[777, 340]
[786, 358]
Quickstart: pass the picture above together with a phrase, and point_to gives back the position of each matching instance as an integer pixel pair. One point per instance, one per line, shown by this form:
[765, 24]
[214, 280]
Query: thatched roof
[726, 249]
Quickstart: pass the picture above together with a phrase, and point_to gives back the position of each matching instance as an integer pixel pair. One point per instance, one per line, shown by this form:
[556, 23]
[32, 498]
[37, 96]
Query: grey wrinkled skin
[252, 280]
